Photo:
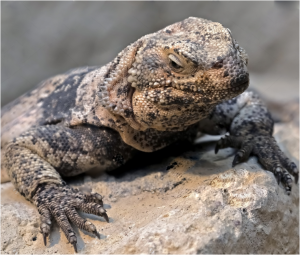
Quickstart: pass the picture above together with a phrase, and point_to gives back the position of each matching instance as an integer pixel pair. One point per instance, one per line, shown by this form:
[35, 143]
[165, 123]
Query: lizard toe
[228, 141]
[274, 160]
[80, 222]
[268, 153]
[287, 164]
[45, 222]
[278, 172]
[287, 181]
[243, 154]
[94, 208]
[64, 224]
[61, 202]
[95, 198]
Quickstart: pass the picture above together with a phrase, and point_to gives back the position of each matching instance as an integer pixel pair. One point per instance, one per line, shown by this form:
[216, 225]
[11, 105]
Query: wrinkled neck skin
[114, 92]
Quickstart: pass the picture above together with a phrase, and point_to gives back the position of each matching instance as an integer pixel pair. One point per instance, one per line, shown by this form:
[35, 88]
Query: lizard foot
[61, 202]
[268, 153]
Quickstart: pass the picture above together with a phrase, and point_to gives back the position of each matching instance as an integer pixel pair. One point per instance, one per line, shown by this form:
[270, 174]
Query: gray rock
[199, 205]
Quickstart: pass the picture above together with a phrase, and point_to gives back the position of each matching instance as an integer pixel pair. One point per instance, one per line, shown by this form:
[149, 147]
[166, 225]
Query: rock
[175, 202]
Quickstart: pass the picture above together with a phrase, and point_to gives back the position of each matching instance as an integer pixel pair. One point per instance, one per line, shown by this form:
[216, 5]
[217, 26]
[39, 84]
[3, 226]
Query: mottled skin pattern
[166, 86]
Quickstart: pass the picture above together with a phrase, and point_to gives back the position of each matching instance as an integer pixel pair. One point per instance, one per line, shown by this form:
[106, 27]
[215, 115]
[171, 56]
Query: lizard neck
[114, 92]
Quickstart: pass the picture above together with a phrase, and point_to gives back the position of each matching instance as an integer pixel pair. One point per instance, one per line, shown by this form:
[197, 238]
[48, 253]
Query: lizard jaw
[194, 86]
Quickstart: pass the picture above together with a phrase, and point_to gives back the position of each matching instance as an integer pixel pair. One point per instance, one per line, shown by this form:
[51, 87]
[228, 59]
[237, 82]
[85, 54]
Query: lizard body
[165, 87]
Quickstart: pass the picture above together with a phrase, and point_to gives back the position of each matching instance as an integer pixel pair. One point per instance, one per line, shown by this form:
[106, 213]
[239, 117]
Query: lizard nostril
[244, 78]
[240, 80]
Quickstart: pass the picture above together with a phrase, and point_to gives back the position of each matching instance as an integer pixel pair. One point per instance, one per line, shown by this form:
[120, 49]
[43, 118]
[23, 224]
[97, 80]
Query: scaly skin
[165, 87]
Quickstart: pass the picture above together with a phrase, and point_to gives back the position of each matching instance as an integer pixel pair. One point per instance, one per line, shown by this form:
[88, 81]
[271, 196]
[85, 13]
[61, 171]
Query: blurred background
[41, 39]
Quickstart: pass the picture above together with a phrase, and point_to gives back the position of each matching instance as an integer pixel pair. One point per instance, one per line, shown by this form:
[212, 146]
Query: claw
[236, 160]
[221, 144]
[216, 148]
[96, 234]
[278, 175]
[45, 238]
[278, 178]
[105, 217]
[75, 247]
[296, 176]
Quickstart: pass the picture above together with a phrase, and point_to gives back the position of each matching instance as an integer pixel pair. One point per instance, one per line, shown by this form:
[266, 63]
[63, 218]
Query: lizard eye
[175, 63]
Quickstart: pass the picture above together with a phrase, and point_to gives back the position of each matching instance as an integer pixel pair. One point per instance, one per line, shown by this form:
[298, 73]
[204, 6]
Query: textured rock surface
[175, 201]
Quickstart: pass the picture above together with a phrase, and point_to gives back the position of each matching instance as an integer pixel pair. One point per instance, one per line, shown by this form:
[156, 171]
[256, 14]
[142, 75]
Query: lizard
[167, 86]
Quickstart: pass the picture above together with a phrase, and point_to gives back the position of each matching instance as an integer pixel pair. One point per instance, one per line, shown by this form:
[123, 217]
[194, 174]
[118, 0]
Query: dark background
[41, 39]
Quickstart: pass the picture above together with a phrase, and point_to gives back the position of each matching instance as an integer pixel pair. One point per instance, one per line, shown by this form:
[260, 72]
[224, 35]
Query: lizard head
[180, 73]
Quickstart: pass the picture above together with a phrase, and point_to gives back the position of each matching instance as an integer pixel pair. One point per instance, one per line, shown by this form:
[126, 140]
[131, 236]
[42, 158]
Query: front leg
[36, 159]
[250, 125]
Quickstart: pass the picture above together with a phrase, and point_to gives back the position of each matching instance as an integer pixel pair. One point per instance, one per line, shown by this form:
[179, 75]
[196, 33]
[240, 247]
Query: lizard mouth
[237, 85]
[195, 90]
[198, 90]
[168, 96]
[172, 96]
